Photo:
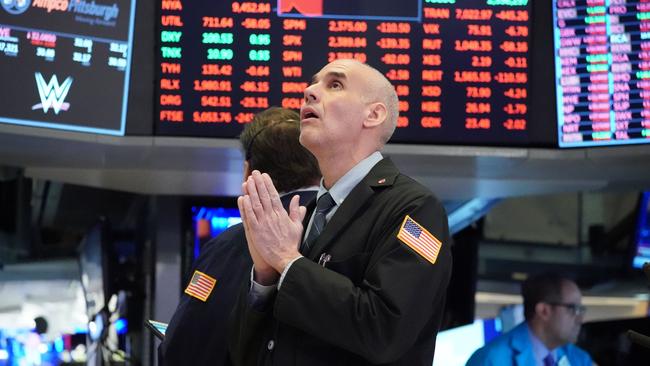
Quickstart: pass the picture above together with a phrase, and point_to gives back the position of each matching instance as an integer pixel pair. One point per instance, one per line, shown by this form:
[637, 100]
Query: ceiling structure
[212, 166]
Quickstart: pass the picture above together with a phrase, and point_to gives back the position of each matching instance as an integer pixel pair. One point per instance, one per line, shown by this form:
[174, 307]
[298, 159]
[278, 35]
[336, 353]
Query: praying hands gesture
[273, 235]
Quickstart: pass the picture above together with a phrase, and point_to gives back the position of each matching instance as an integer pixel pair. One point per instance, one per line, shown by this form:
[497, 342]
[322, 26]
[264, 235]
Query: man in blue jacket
[553, 311]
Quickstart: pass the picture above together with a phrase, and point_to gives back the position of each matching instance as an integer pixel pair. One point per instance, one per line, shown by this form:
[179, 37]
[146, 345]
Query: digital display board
[460, 68]
[65, 63]
[602, 63]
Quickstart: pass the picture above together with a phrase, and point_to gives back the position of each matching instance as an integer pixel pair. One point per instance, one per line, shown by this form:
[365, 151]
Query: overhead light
[498, 298]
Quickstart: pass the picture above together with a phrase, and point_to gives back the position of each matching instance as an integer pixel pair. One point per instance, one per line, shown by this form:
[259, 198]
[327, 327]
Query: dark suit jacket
[197, 333]
[377, 301]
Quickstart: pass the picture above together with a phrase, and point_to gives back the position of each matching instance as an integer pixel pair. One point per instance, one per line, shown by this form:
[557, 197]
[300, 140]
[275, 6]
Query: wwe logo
[15, 7]
[52, 93]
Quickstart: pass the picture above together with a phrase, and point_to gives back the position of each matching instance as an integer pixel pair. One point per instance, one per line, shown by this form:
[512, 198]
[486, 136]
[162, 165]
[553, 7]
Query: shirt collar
[303, 189]
[539, 348]
[344, 186]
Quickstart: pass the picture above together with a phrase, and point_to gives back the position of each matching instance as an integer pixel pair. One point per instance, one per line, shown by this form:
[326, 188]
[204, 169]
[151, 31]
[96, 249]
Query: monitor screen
[602, 68]
[66, 63]
[460, 68]
[455, 346]
[209, 222]
[642, 238]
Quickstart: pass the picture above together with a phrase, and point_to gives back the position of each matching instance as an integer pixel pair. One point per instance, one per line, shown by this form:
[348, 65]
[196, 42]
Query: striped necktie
[323, 206]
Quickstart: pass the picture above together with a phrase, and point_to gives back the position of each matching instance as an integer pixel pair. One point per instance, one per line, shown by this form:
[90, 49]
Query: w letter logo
[52, 93]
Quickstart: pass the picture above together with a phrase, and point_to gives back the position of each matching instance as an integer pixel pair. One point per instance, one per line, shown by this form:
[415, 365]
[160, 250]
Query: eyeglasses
[576, 309]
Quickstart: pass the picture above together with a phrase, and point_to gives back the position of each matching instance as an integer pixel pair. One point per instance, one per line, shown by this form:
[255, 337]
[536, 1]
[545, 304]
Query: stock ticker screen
[460, 68]
[65, 63]
[602, 63]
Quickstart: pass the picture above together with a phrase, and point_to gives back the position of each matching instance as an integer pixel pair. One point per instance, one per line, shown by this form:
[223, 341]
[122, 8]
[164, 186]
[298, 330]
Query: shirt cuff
[286, 269]
[258, 294]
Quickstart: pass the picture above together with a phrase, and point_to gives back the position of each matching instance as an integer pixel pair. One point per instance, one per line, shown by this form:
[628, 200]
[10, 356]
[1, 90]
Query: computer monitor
[69, 64]
[601, 72]
[456, 345]
[210, 221]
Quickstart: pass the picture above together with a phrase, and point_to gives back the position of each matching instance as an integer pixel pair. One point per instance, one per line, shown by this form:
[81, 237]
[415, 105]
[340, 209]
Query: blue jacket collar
[520, 342]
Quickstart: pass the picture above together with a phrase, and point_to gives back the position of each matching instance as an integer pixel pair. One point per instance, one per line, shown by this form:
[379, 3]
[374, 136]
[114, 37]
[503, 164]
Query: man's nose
[311, 94]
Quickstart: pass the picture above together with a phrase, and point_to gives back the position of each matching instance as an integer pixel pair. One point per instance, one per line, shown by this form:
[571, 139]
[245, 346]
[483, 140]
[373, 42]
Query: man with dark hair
[278, 152]
[197, 332]
[553, 311]
[362, 280]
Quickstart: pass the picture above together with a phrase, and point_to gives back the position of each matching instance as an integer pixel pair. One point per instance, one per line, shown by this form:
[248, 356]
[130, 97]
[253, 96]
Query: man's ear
[247, 170]
[542, 310]
[376, 115]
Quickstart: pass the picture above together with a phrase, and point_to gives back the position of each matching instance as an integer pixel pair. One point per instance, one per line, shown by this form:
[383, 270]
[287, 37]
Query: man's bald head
[377, 88]
[381, 90]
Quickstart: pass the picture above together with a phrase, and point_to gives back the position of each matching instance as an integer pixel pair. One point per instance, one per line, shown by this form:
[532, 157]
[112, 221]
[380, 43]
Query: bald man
[359, 276]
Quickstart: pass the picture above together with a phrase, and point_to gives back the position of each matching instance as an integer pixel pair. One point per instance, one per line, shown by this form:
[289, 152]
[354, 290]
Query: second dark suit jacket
[197, 333]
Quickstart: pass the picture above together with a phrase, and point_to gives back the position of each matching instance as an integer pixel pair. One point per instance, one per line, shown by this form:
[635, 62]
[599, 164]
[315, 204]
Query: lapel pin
[324, 258]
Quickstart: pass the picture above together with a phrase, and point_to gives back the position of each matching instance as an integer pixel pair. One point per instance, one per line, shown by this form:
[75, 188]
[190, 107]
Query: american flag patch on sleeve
[419, 239]
[200, 286]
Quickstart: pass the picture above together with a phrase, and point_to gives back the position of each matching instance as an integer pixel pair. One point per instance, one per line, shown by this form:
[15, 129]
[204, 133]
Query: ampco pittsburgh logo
[79, 7]
[85, 11]
[52, 93]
